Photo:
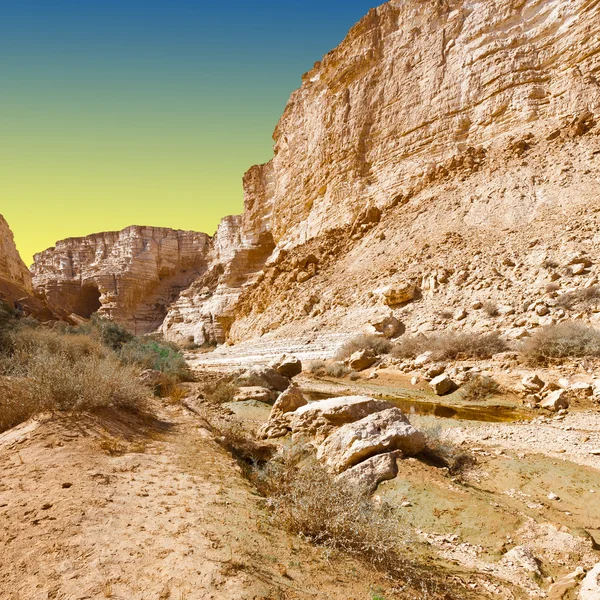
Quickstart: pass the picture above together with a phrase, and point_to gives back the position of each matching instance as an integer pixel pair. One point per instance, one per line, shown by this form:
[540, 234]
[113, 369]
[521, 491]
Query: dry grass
[585, 297]
[45, 370]
[443, 453]
[376, 343]
[220, 391]
[490, 308]
[322, 368]
[564, 340]
[451, 346]
[480, 388]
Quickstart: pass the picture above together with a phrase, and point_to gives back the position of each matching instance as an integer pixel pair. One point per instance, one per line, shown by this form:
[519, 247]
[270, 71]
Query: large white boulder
[335, 412]
[377, 433]
[590, 586]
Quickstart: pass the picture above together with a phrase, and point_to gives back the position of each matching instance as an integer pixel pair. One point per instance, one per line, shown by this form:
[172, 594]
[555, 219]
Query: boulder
[556, 401]
[380, 432]
[389, 326]
[361, 360]
[582, 389]
[288, 402]
[288, 366]
[442, 384]
[532, 383]
[399, 293]
[261, 394]
[264, 377]
[590, 586]
[334, 412]
[423, 359]
[522, 556]
[371, 472]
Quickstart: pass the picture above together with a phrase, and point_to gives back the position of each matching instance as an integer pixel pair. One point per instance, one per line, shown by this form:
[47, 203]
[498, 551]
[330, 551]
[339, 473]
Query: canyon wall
[12, 269]
[447, 147]
[131, 276]
[435, 133]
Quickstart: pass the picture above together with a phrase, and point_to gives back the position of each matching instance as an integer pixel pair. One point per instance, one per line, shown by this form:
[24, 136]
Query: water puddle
[412, 406]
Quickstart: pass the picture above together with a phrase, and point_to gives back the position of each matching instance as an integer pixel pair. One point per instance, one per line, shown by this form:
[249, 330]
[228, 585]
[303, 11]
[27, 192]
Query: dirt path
[118, 507]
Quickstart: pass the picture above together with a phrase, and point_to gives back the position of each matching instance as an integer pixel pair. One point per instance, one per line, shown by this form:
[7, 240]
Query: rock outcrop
[15, 280]
[12, 268]
[417, 160]
[131, 276]
[424, 166]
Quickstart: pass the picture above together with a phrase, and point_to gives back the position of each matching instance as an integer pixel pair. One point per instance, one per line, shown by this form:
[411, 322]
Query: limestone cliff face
[440, 143]
[12, 269]
[431, 119]
[130, 276]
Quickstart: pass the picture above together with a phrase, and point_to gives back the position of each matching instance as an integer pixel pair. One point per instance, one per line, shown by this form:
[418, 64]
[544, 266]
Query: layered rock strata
[12, 268]
[444, 152]
[131, 276]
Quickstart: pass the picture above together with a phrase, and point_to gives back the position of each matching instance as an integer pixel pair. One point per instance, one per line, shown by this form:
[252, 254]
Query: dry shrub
[564, 340]
[333, 513]
[45, 381]
[322, 368]
[444, 453]
[220, 391]
[376, 343]
[450, 346]
[480, 388]
[490, 308]
[584, 296]
[316, 367]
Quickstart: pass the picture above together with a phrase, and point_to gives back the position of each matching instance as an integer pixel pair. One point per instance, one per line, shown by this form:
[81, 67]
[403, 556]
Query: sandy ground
[143, 509]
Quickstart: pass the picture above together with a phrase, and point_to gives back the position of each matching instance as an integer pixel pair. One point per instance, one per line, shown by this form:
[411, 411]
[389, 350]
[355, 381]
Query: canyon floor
[131, 506]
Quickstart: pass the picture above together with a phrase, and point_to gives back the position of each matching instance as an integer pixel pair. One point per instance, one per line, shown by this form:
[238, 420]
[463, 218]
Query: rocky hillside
[444, 159]
[131, 276]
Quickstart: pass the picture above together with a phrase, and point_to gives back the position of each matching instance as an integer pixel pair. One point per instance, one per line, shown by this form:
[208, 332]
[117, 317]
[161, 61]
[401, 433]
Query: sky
[147, 112]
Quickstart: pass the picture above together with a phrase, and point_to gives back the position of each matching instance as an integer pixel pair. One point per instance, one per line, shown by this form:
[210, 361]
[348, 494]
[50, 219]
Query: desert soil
[120, 506]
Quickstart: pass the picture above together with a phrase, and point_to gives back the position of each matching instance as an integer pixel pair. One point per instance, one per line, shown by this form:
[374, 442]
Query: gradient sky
[120, 112]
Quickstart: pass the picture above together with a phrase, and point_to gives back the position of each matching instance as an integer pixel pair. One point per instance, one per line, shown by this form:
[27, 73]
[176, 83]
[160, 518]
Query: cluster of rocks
[556, 396]
[357, 437]
[264, 384]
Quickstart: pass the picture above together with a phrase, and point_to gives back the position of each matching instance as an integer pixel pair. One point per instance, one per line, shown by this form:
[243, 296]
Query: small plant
[316, 367]
[490, 308]
[480, 388]
[564, 340]
[549, 263]
[376, 343]
[451, 346]
[584, 296]
[445, 454]
[337, 370]
[221, 391]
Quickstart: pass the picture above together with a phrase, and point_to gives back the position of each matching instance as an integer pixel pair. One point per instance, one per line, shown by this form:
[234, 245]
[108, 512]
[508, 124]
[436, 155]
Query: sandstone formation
[15, 280]
[12, 269]
[441, 164]
[422, 163]
[131, 276]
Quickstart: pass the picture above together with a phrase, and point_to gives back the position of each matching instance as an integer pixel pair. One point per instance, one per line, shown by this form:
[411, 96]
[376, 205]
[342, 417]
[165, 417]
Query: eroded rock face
[12, 269]
[131, 276]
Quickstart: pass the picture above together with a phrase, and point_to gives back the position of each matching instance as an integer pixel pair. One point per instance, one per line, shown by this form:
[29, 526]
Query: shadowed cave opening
[88, 302]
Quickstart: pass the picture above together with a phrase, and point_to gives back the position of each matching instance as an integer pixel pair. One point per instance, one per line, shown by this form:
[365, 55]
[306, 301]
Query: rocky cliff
[131, 276]
[448, 148]
[12, 269]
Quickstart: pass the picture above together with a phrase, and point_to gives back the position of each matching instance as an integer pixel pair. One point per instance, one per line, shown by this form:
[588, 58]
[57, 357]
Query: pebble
[553, 496]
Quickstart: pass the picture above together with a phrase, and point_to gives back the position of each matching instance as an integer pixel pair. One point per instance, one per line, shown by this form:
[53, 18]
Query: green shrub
[111, 334]
[154, 355]
[564, 340]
